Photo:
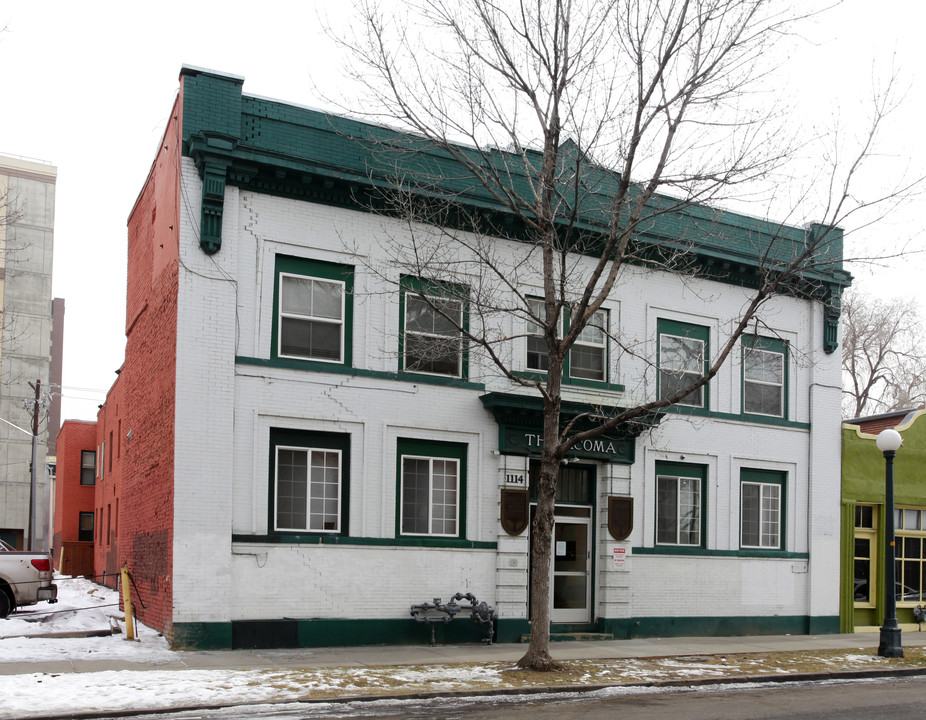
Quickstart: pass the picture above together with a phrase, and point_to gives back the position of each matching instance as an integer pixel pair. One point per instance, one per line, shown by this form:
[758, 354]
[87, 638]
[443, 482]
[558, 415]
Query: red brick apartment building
[75, 486]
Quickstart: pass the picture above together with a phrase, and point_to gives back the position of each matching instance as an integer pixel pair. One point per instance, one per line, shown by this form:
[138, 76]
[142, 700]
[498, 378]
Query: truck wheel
[5, 605]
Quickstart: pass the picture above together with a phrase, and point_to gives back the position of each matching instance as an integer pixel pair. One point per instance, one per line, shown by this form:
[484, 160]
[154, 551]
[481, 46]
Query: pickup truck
[25, 578]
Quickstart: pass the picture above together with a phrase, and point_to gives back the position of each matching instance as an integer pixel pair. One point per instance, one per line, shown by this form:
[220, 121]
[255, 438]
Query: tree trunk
[538, 655]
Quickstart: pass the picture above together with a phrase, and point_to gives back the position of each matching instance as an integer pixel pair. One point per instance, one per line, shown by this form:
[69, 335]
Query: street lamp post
[888, 443]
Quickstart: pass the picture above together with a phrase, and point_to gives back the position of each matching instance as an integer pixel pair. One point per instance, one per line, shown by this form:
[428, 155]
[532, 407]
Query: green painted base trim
[336, 369]
[320, 632]
[625, 628]
[284, 539]
[202, 636]
[510, 630]
[681, 550]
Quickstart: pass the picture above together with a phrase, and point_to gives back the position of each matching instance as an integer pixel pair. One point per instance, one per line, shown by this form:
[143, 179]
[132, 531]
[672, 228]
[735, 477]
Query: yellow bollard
[127, 603]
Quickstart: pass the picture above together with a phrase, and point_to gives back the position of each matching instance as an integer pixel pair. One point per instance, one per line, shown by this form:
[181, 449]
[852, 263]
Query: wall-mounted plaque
[515, 510]
[620, 516]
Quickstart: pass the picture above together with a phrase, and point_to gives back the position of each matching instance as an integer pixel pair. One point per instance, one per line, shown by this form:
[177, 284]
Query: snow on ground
[83, 606]
[32, 635]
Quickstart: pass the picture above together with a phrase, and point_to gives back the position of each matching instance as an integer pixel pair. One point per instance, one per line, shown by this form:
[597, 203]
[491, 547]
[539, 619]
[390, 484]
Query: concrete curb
[501, 692]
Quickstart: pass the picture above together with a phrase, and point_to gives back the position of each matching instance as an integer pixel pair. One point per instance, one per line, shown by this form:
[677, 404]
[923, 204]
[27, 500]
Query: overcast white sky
[89, 86]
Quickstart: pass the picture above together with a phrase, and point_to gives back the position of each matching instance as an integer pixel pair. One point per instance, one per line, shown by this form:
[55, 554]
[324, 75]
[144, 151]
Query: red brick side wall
[149, 385]
[107, 499]
[71, 498]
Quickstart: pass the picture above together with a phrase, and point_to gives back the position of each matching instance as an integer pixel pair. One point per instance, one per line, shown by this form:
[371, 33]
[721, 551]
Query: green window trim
[290, 266]
[287, 438]
[765, 479]
[416, 449]
[668, 471]
[765, 345]
[411, 541]
[704, 552]
[288, 364]
[681, 331]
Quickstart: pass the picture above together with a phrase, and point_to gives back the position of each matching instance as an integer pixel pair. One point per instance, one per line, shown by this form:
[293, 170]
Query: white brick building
[320, 482]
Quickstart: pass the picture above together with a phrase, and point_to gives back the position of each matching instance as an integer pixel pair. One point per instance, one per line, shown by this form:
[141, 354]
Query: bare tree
[883, 355]
[522, 109]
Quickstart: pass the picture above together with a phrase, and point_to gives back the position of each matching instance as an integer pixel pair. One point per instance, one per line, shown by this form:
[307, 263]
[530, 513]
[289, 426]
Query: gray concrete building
[27, 220]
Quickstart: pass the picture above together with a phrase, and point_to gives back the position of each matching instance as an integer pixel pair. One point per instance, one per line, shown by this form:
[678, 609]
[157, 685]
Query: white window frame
[747, 382]
[597, 323]
[456, 518]
[427, 300]
[282, 315]
[91, 467]
[678, 508]
[533, 330]
[309, 497]
[763, 524]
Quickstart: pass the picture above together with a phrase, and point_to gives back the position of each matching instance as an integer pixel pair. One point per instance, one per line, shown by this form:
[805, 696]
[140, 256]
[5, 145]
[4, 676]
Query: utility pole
[35, 462]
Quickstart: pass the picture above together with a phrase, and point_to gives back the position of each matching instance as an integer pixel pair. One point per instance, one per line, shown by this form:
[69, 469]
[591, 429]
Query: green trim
[689, 470]
[310, 439]
[567, 381]
[435, 288]
[409, 541]
[350, 632]
[511, 630]
[201, 635]
[280, 149]
[705, 552]
[431, 449]
[685, 330]
[314, 269]
[767, 344]
[767, 477]
[755, 419]
[720, 626]
[290, 364]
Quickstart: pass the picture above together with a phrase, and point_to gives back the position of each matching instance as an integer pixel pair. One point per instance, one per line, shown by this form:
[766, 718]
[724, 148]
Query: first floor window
[85, 527]
[430, 487]
[679, 498]
[87, 467]
[910, 555]
[760, 509]
[309, 481]
[865, 554]
[682, 360]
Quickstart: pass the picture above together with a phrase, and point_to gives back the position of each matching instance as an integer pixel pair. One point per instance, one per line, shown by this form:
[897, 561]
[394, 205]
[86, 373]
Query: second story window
[589, 355]
[538, 355]
[312, 310]
[764, 376]
[682, 360]
[87, 467]
[431, 322]
[311, 318]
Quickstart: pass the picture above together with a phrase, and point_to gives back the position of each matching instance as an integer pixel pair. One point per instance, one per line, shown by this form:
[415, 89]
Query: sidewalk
[401, 655]
[78, 686]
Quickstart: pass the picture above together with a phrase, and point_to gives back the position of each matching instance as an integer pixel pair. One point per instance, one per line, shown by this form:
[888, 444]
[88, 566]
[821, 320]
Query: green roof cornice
[291, 151]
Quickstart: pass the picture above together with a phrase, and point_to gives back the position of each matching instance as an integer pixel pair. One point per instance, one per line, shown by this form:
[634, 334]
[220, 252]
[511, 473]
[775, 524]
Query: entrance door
[570, 583]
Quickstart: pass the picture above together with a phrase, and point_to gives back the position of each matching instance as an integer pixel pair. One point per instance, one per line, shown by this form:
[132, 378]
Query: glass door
[570, 584]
